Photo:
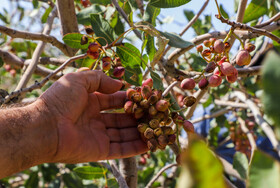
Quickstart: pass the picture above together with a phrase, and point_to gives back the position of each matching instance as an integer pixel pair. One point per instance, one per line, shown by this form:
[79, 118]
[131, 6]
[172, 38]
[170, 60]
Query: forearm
[28, 137]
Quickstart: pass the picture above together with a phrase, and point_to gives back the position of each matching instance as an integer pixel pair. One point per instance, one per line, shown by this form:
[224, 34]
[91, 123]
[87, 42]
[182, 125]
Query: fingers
[127, 149]
[110, 101]
[118, 120]
[98, 81]
[123, 135]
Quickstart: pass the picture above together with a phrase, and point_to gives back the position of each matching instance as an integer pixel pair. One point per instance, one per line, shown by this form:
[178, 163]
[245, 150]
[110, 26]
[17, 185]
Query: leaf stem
[238, 38]
[219, 12]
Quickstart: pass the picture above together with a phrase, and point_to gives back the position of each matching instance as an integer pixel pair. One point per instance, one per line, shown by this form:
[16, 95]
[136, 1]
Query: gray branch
[128, 169]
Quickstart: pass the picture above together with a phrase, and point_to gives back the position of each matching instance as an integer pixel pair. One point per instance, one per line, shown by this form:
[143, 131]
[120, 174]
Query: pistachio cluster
[153, 115]
[216, 55]
[95, 51]
[240, 138]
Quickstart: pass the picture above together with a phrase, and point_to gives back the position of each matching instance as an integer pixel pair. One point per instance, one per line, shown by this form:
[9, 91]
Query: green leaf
[131, 60]
[255, 9]
[144, 61]
[146, 175]
[213, 136]
[83, 16]
[101, 2]
[176, 41]
[4, 19]
[264, 171]
[200, 167]
[208, 102]
[35, 3]
[276, 44]
[32, 181]
[223, 12]
[49, 171]
[168, 3]
[150, 14]
[89, 172]
[157, 81]
[200, 26]
[271, 76]
[240, 163]
[74, 40]
[46, 15]
[72, 181]
[1, 62]
[112, 183]
[119, 27]
[102, 29]
[150, 47]
[197, 62]
[236, 2]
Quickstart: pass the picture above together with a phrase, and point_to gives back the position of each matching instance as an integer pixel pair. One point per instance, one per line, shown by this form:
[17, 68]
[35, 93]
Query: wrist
[44, 130]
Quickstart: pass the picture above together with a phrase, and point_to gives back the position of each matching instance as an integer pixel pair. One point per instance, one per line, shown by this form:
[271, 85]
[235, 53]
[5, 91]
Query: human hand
[84, 133]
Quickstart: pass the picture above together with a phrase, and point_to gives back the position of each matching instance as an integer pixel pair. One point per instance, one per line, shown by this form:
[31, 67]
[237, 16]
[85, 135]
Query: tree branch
[250, 71]
[249, 136]
[159, 174]
[239, 17]
[38, 85]
[213, 115]
[259, 119]
[18, 63]
[37, 53]
[68, 19]
[35, 36]
[272, 19]
[241, 26]
[128, 169]
[117, 174]
[48, 60]
[123, 14]
[168, 64]
[140, 6]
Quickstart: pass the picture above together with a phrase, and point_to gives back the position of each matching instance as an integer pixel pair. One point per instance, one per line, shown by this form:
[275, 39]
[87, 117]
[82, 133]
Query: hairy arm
[68, 124]
[27, 137]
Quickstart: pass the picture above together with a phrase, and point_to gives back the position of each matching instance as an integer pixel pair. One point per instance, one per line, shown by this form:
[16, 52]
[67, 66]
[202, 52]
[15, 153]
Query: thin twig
[168, 64]
[34, 36]
[241, 26]
[159, 174]
[37, 53]
[239, 17]
[229, 169]
[169, 88]
[123, 14]
[193, 20]
[19, 63]
[38, 85]
[272, 19]
[48, 60]
[227, 103]
[140, 5]
[249, 136]
[117, 174]
[250, 71]
[259, 119]
[213, 115]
